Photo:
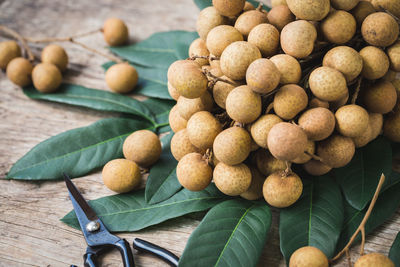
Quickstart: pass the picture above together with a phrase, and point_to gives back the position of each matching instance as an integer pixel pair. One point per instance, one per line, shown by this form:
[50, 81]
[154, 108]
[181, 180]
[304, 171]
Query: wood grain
[30, 230]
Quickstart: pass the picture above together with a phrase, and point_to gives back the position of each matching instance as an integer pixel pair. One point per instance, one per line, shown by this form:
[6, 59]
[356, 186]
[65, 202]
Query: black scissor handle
[162, 253]
[90, 260]
[126, 252]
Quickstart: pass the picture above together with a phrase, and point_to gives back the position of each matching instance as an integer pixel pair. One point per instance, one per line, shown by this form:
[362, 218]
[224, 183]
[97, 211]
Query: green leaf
[232, 233]
[394, 253]
[162, 182]
[130, 212]
[360, 177]
[314, 220]
[201, 4]
[161, 109]
[76, 151]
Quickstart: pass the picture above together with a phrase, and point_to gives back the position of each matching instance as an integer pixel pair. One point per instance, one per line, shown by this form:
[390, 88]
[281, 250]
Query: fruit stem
[110, 57]
[269, 108]
[205, 57]
[260, 7]
[17, 36]
[61, 39]
[288, 169]
[357, 91]
[214, 79]
[313, 156]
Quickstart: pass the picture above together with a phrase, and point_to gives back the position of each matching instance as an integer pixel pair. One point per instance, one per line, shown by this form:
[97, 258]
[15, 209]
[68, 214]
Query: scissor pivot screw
[92, 226]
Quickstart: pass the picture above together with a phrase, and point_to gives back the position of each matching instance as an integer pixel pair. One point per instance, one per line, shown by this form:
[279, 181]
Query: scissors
[100, 240]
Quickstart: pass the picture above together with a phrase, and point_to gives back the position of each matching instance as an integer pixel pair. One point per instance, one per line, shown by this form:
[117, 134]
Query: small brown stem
[357, 91]
[362, 241]
[110, 57]
[313, 156]
[214, 79]
[61, 39]
[348, 258]
[17, 36]
[194, 57]
[260, 7]
[288, 169]
[269, 108]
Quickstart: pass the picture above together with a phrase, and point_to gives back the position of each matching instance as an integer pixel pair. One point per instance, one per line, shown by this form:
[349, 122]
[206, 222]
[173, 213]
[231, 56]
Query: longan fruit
[380, 97]
[19, 71]
[8, 51]
[304, 9]
[351, 120]
[337, 150]
[202, 128]
[282, 189]
[115, 32]
[198, 48]
[391, 127]
[375, 62]
[122, 78]
[362, 10]
[187, 107]
[248, 20]
[56, 55]
[121, 175]
[254, 192]
[308, 257]
[176, 122]
[305, 157]
[229, 8]
[380, 29]
[390, 76]
[261, 127]
[318, 103]
[393, 6]
[328, 84]
[318, 123]
[232, 180]
[298, 37]
[344, 4]
[393, 53]
[280, 16]
[220, 37]
[374, 260]
[208, 19]
[376, 123]
[316, 168]
[346, 60]
[248, 6]
[339, 27]
[289, 68]
[232, 146]
[275, 3]
[243, 105]
[364, 138]
[287, 141]
[262, 76]
[193, 172]
[172, 91]
[181, 146]
[142, 147]
[268, 164]
[289, 100]
[222, 89]
[46, 77]
[266, 38]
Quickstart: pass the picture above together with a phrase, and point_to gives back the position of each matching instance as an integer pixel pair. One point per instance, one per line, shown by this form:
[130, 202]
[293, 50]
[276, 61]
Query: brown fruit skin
[202, 129]
[393, 6]
[115, 32]
[306, 157]
[289, 68]
[266, 163]
[121, 175]
[121, 78]
[337, 150]
[334, 105]
[261, 127]
[46, 77]
[309, 10]
[362, 10]
[176, 122]
[19, 71]
[243, 105]
[364, 138]
[142, 147]
[248, 20]
[232, 146]
[376, 62]
[287, 141]
[351, 120]
[318, 103]
[289, 100]
[275, 3]
[193, 172]
[376, 123]
[393, 53]
[281, 190]
[8, 51]
[221, 91]
[232, 180]
[318, 123]
[262, 76]
[328, 84]
[187, 107]
[391, 127]
[173, 92]
[344, 4]
[374, 260]
[339, 27]
[220, 37]
[56, 55]
[248, 6]
[280, 16]
[229, 8]
[208, 19]
[254, 192]
[237, 57]
[308, 257]
[198, 48]
[266, 38]
[297, 38]
[380, 29]
[181, 146]
[390, 76]
[316, 168]
[380, 97]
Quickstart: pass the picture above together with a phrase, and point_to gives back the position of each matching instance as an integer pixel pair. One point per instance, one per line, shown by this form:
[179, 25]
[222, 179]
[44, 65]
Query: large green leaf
[314, 220]
[201, 4]
[76, 151]
[360, 177]
[232, 234]
[161, 109]
[394, 253]
[162, 182]
[130, 212]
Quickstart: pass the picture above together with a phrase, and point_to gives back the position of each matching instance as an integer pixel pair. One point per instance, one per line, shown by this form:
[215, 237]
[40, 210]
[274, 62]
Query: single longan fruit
[243, 105]
[254, 192]
[316, 168]
[202, 128]
[220, 37]
[287, 141]
[229, 8]
[362, 10]
[351, 120]
[261, 127]
[344, 4]
[308, 257]
[305, 157]
[318, 103]
[375, 62]
[173, 92]
[232, 180]
[262, 76]
[222, 89]
[121, 77]
[304, 9]
[46, 77]
[374, 260]
[232, 146]
[56, 55]
[248, 20]
[346, 60]
[208, 19]
[142, 147]
[391, 127]
[237, 57]
[115, 32]
[121, 175]
[266, 38]
[248, 6]
[8, 51]
[339, 27]
[282, 189]
[297, 38]
[176, 122]
[337, 150]
[364, 138]
[275, 3]
[187, 107]
[280, 16]
[267, 164]
[328, 84]
[289, 100]
[380, 29]
[318, 123]
[19, 71]
[289, 68]
[380, 97]
[376, 123]
[181, 146]
[198, 48]
[193, 172]
[393, 53]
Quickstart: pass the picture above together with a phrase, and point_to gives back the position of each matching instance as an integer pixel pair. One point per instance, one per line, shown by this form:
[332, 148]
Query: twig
[357, 91]
[288, 169]
[17, 36]
[110, 57]
[214, 79]
[348, 258]
[61, 39]
[315, 157]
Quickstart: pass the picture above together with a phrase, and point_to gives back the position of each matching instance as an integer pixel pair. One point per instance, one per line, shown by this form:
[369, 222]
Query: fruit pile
[302, 84]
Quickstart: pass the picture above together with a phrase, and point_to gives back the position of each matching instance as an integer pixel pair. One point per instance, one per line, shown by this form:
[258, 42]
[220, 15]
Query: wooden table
[30, 230]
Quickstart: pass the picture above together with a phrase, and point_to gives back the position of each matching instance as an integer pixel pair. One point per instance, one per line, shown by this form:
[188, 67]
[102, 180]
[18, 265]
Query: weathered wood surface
[30, 231]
